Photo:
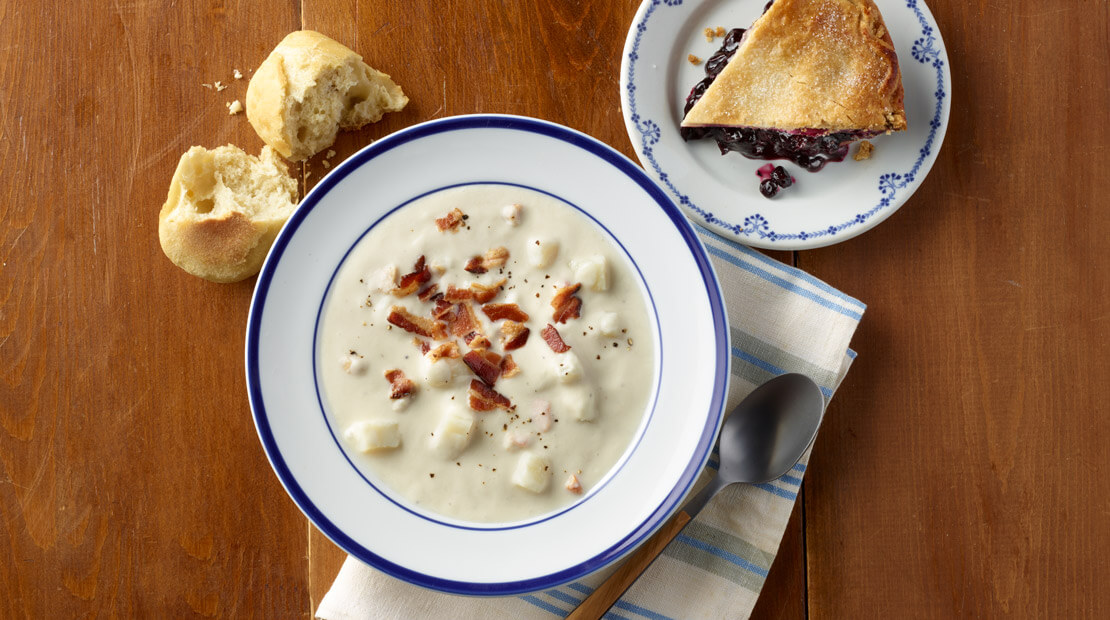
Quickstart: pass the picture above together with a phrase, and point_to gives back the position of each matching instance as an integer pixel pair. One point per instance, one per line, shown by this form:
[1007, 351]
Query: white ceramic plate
[722, 192]
[423, 548]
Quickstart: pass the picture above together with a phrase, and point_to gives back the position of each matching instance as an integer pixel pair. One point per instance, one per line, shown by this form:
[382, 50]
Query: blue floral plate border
[842, 201]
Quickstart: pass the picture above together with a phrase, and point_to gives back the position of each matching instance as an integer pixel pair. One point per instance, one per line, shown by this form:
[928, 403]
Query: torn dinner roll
[224, 210]
[309, 88]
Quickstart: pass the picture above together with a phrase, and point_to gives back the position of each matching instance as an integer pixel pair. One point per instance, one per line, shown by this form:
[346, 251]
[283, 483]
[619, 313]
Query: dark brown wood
[132, 482]
[783, 596]
[959, 470]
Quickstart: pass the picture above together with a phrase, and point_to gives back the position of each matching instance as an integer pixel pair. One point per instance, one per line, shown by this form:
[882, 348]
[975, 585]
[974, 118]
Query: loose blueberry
[768, 188]
[781, 177]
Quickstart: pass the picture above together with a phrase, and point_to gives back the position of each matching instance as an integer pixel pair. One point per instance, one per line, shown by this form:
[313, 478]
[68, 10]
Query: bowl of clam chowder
[487, 355]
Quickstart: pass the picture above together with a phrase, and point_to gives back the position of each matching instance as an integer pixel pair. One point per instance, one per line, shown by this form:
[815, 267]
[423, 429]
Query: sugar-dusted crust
[818, 64]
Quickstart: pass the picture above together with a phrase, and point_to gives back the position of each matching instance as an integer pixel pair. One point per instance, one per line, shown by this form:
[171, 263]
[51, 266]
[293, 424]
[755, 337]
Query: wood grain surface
[959, 472]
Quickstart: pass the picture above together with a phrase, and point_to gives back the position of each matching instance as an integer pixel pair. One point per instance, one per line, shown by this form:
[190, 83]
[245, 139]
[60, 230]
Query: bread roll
[311, 86]
[224, 210]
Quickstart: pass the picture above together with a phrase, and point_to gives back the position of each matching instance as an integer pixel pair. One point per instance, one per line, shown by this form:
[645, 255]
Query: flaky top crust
[809, 64]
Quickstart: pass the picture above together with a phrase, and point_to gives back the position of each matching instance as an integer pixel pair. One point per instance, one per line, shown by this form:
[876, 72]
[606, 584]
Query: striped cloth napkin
[781, 320]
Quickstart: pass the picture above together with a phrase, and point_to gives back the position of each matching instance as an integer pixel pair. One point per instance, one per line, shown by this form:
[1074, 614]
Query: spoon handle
[599, 602]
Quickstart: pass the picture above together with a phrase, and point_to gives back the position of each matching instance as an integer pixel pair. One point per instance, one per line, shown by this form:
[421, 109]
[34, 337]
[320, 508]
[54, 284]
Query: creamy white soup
[486, 353]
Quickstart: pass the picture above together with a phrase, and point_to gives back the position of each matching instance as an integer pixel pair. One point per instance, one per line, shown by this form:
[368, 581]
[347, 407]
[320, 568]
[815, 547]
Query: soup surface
[485, 353]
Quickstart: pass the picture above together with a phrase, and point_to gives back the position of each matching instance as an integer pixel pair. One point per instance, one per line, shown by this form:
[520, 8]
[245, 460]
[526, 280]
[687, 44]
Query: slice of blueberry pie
[805, 81]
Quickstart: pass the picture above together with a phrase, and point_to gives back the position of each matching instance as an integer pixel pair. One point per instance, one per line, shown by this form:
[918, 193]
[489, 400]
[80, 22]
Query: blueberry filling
[809, 148]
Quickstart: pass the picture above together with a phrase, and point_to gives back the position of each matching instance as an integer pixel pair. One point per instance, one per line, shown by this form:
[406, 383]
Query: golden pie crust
[809, 64]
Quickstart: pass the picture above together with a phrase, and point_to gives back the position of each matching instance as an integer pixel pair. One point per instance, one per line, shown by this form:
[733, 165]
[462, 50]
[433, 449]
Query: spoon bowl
[766, 434]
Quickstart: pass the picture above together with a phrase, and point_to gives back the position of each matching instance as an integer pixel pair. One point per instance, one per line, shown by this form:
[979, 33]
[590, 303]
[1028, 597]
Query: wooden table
[960, 469]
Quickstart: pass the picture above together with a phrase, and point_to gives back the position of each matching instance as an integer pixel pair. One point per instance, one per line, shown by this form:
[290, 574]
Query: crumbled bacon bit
[474, 265]
[554, 340]
[442, 309]
[463, 321]
[455, 295]
[566, 304]
[512, 312]
[495, 257]
[485, 294]
[428, 292]
[402, 385]
[509, 367]
[515, 335]
[448, 350]
[485, 398]
[418, 325]
[573, 485]
[486, 370]
[410, 282]
[422, 345]
[451, 221]
[477, 341]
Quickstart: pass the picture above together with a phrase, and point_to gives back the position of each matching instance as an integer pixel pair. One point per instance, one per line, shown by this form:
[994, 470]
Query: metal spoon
[765, 435]
[762, 439]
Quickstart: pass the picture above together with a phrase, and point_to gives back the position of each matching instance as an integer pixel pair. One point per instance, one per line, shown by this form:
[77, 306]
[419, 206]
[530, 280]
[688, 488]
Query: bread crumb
[694, 60]
[208, 86]
[220, 86]
[234, 107]
[864, 151]
[331, 153]
[236, 74]
[326, 164]
[709, 34]
[721, 31]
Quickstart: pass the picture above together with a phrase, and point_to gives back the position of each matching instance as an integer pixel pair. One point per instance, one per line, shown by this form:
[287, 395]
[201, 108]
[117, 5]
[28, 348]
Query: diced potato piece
[592, 272]
[383, 280]
[567, 367]
[542, 252]
[452, 435]
[609, 324]
[541, 415]
[369, 435]
[353, 364]
[531, 473]
[579, 403]
[438, 373]
[511, 213]
[515, 439]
